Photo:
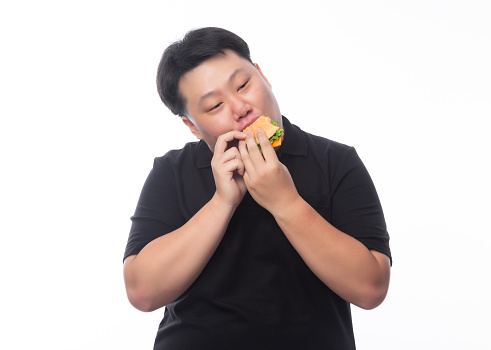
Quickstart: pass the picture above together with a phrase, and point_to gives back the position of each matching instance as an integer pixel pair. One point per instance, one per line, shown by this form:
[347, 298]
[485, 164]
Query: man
[250, 249]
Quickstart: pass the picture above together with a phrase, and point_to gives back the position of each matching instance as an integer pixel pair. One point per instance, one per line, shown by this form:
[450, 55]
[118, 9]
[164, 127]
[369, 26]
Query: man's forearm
[168, 265]
[345, 265]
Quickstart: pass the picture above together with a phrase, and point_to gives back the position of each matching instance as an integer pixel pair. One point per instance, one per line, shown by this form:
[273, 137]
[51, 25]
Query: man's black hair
[182, 56]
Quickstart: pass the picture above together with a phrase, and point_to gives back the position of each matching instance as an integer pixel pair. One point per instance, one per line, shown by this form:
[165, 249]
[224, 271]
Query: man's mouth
[251, 121]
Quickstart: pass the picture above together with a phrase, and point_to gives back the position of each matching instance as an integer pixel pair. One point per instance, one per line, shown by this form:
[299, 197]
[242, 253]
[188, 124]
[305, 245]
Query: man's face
[225, 93]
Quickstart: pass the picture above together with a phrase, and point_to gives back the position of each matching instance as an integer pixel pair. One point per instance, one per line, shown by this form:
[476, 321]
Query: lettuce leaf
[276, 136]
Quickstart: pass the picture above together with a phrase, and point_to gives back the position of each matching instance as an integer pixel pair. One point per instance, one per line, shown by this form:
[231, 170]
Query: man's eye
[214, 107]
[243, 86]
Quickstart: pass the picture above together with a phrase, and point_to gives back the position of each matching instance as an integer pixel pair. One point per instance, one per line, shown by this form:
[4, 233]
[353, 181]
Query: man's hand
[341, 262]
[269, 182]
[228, 169]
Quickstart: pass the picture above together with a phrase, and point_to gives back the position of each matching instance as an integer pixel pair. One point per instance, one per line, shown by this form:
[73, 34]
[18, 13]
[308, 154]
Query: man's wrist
[288, 208]
[218, 203]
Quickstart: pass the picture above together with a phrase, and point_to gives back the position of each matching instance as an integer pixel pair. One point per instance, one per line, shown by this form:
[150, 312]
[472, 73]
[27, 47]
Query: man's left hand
[268, 180]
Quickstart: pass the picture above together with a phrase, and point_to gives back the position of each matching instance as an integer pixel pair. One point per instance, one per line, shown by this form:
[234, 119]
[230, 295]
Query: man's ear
[261, 72]
[192, 127]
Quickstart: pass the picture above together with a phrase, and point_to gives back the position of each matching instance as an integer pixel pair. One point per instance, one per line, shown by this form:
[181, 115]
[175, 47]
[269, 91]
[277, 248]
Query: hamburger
[271, 129]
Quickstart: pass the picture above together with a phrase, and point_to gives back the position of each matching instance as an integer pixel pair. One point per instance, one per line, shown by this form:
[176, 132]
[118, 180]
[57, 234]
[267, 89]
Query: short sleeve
[157, 212]
[356, 208]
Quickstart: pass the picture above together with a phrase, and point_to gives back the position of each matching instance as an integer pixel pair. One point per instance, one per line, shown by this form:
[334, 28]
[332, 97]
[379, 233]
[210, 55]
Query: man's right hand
[228, 170]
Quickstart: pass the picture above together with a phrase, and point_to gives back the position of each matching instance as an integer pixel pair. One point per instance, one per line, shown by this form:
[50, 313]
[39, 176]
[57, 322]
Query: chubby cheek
[210, 138]
[212, 132]
[269, 105]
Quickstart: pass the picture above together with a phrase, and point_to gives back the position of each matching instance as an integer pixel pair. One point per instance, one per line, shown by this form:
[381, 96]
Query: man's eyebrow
[214, 92]
[234, 74]
[207, 95]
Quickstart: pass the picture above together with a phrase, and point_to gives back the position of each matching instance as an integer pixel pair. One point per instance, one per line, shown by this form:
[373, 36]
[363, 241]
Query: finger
[241, 170]
[266, 147]
[220, 162]
[246, 161]
[253, 150]
[222, 141]
[251, 156]
[245, 155]
[231, 153]
[234, 165]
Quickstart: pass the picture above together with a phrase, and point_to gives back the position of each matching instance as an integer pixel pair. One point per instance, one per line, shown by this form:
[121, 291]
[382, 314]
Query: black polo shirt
[256, 292]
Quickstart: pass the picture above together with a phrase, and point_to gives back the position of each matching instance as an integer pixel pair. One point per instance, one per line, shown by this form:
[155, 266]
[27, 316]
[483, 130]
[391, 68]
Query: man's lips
[242, 126]
[251, 121]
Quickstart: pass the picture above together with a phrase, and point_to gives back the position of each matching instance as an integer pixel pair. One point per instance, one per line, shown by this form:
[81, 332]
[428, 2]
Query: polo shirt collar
[295, 140]
[294, 143]
[204, 155]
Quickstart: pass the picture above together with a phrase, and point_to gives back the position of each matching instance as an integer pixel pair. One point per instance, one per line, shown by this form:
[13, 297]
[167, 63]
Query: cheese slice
[264, 123]
[276, 143]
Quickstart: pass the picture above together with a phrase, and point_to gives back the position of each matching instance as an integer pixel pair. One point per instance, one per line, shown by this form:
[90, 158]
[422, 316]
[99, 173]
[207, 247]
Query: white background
[408, 83]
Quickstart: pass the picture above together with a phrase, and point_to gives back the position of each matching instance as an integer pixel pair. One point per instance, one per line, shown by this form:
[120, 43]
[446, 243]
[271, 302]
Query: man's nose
[240, 108]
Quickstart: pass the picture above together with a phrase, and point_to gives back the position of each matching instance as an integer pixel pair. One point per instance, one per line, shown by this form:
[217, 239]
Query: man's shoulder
[188, 153]
[325, 145]
[326, 142]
